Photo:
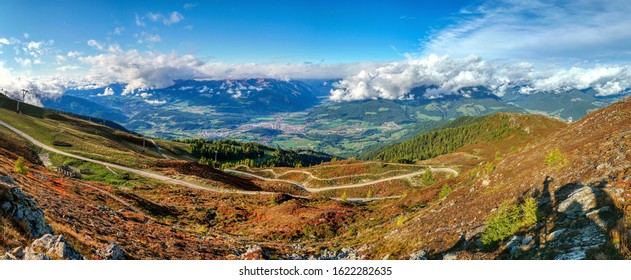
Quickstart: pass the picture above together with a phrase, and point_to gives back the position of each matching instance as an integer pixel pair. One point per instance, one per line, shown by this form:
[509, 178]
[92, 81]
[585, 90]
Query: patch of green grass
[99, 173]
[85, 138]
[175, 149]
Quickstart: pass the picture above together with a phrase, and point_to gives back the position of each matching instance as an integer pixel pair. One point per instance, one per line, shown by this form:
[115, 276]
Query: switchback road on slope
[350, 186]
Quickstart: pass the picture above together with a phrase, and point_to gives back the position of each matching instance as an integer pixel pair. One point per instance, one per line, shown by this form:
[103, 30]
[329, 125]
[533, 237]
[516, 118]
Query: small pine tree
[344, 198]
[20, 166]
[428, 177]
[528, 212]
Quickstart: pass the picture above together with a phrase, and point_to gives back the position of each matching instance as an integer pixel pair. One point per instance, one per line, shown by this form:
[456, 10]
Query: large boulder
[47, 247]
[56, 247]
[111, 252]
[579, 202]
[21, 208]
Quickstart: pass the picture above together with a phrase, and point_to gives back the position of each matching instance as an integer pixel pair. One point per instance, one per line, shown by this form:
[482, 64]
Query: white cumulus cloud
[145, 37]
[68, 68]
[141, 70]
[154, 70]
[119, 30]
[169, 19]
[25, 62]
[139, 21]
[155, 102]
[95, 44]
[173, 18]
[446, 75]
[107, 92]
[74, 54]
[38, 87]
[60, 59]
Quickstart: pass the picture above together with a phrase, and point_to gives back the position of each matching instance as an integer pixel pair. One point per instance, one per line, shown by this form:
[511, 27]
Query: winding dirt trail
[349, 186]
[313, 177]
[166, 179]
[128, 169]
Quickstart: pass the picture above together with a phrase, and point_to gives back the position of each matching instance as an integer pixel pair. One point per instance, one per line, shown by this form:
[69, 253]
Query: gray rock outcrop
[579, 202]
[47, 247]
[21, 208]
[419, 255]
[111, 252]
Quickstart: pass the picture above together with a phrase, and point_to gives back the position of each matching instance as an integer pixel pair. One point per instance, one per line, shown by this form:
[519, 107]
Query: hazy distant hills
[571, 103]
[84, 106]
[448, 107]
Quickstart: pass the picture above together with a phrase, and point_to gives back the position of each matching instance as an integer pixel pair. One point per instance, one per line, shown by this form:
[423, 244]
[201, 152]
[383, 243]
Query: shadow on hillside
[207, 172]
[154, 209]
[575, 222]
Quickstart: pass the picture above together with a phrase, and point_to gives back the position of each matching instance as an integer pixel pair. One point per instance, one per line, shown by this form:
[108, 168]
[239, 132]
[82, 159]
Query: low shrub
[508, 220]
[20, 166]
[445, 191]
[556, 159]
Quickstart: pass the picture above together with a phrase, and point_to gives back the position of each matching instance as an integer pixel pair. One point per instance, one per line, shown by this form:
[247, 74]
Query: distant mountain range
[259, 96]
[299, 114]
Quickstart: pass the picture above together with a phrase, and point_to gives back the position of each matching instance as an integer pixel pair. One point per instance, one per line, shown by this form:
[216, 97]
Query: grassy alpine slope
[578, 184]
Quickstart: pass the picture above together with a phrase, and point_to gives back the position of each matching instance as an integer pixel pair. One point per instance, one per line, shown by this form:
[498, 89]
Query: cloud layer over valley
[369, 80]
[447, 75]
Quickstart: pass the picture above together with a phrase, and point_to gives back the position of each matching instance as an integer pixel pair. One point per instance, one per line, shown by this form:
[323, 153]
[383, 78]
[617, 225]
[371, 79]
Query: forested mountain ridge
[462, 131]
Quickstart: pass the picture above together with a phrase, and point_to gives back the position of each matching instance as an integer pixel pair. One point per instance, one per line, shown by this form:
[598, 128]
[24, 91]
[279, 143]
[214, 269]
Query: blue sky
[234, 31]
[380, 49]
